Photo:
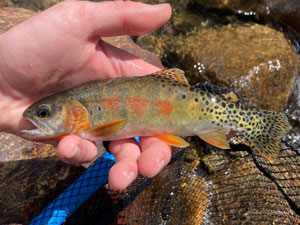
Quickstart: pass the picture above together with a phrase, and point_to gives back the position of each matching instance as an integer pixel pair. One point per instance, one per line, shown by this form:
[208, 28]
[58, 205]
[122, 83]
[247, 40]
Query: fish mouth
[42, 130]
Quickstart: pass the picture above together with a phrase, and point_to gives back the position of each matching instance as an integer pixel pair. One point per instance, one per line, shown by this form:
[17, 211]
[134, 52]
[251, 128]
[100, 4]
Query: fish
[162, 104]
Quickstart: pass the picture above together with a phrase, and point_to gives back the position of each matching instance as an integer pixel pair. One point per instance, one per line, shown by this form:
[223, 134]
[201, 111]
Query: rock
[241, 193]
[287, 12]
[27, 186]
[9, 17]
[35, 5]
[254, 60]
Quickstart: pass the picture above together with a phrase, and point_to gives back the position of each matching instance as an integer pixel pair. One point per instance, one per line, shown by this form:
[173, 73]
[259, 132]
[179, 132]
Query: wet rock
[216, 161]
[254, 60]
[35, 5]
[241, 193]
[9, 17]
[27, 186]
[14, 148]
[284, 11]
[192, 188]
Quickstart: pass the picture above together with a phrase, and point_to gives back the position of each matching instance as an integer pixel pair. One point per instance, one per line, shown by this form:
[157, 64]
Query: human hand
[60, 48]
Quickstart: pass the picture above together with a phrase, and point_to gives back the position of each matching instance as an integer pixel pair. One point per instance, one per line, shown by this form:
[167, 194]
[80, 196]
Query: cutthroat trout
[161, 104]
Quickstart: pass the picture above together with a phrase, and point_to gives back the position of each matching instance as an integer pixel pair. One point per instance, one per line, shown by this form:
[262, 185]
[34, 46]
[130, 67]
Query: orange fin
[53, 138]
[173, 140]
[105, 129]
[215, 138]
[174, 74]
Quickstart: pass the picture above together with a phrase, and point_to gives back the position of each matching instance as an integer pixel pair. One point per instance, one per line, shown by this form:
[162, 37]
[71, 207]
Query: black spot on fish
[230, 106]
[202, 93]
[223, 104]
[216, 107]
[192, 89]
[211, 110]
[241, 113]
[99, 108]
[234, 111]
[91, 112]
[196, 99]
[162, 80]
[203, 99]
[183, 96]
[163, 85]
[206, 103]
[174, 84]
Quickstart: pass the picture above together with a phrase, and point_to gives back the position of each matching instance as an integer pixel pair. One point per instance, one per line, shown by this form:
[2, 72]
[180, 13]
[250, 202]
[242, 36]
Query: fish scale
[162, 104]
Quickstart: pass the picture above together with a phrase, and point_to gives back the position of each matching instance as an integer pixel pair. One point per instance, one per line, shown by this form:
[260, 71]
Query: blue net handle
[77, 193]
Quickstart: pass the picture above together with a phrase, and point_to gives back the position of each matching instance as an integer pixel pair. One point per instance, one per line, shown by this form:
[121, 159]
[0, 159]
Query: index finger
[114, 18]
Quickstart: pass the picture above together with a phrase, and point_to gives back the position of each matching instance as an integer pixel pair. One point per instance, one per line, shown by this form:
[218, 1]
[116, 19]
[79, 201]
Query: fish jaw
[42, 130]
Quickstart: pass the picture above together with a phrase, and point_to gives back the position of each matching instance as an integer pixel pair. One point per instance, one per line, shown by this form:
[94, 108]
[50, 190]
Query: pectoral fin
[105, 129]
[173, 140]
[216, 139]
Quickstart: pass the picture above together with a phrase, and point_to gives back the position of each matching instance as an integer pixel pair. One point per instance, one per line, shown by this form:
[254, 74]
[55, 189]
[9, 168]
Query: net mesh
[204, 185]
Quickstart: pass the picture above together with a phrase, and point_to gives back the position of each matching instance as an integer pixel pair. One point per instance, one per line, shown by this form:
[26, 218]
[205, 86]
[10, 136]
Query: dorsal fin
[173, 74]
[224, 93]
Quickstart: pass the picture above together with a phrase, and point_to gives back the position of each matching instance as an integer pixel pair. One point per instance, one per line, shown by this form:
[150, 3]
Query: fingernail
[73, 153]
[162, 5]
[161, 163]
[130, 177]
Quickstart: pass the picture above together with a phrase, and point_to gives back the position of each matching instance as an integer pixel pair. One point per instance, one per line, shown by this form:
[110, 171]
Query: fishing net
[201, 185]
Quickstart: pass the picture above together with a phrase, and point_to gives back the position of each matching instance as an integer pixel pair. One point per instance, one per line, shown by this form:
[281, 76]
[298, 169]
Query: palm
[61, 48]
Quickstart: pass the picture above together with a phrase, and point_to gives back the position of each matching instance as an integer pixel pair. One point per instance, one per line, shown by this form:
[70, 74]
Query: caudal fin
[266, 140]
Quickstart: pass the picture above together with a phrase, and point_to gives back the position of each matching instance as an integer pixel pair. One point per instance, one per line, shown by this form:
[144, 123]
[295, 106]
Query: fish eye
[43, 112]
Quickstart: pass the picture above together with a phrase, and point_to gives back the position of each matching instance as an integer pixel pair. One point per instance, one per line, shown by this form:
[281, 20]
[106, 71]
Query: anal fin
[215, 138]
[173, 140]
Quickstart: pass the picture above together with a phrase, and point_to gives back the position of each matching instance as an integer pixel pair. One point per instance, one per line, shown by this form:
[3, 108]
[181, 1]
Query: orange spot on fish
[137, 105]
[111, 105]
[164, 107]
